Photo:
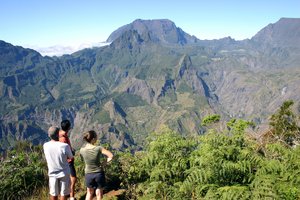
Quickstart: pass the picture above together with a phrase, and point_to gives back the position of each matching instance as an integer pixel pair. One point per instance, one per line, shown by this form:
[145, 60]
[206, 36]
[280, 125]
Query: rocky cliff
[152, 74]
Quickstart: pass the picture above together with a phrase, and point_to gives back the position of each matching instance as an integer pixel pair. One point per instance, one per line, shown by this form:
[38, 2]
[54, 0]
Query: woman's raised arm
[107, 153]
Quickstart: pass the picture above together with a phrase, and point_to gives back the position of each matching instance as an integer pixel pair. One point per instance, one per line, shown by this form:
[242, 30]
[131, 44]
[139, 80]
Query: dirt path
[109, 195]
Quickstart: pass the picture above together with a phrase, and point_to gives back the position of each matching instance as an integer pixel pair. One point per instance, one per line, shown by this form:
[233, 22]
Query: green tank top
[91, 155]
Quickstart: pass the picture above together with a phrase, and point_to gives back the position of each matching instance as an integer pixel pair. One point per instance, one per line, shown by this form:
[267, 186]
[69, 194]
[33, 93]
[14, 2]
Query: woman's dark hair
[89, 136]
[65, 125]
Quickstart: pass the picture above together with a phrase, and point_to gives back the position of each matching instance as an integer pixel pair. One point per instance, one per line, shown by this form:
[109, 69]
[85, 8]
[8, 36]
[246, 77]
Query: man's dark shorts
[95, 180]
[72, 169]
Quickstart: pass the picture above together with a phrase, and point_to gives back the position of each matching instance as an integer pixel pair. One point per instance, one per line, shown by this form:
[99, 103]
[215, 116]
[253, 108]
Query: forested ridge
[224, 163]
[151, 73]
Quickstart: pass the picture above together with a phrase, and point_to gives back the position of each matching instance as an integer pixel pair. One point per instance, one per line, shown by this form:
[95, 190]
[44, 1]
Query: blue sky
[72, 22]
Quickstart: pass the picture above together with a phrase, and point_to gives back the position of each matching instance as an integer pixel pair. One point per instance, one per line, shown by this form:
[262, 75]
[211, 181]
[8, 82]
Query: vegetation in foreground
[227, 164]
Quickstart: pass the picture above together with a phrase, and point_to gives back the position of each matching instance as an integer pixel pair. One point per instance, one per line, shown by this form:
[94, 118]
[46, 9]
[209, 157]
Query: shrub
[22, 172]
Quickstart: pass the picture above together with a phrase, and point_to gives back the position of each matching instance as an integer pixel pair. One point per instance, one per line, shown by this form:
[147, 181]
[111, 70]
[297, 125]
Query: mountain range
[152, 74]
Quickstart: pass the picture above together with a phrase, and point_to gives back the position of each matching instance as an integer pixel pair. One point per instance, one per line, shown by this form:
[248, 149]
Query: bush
[22, 172]
[217, 165]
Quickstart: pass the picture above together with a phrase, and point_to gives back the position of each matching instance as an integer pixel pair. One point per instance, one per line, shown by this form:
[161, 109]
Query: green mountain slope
[143, 80]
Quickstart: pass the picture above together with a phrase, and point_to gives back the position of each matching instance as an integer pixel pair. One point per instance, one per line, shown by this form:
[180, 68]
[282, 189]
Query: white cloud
[59, 50]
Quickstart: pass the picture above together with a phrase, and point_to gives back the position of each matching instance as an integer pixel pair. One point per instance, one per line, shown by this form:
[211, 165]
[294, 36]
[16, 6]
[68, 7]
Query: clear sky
[46, 23]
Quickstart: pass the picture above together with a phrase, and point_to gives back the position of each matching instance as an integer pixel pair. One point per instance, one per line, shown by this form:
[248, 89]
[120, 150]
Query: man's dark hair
[65, 125]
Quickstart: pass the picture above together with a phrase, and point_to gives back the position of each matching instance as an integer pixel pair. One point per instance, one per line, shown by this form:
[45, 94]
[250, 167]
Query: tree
[284, 124]
[210, 119]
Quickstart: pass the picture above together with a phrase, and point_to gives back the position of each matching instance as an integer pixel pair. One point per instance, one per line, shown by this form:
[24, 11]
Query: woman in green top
[94, 174]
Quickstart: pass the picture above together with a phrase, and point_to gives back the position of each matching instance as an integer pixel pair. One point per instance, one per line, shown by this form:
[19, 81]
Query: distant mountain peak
[129, 39]
[284, 33]
[153, 21]
[160, 30]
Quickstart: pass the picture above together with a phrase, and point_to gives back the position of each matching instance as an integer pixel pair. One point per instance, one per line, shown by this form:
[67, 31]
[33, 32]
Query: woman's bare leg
[89, 194]
[99, 194]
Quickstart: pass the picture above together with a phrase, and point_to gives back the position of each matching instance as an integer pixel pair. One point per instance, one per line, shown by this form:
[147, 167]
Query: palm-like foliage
[223, 165]
[161, 169]
[217, 165]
